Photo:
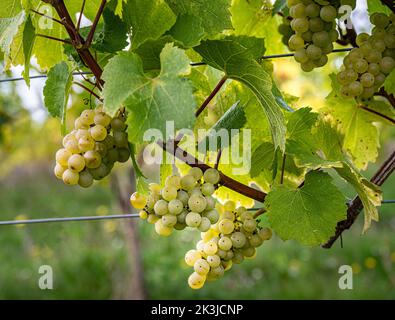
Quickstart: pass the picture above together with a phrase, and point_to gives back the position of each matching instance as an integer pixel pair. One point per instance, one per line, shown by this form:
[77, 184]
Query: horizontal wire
[90, 218]
[193, 64]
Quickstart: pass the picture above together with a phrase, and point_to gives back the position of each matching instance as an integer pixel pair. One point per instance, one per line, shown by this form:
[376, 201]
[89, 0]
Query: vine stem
[211, 96]
[259, 212]
[87, 89]
[378, 114]
[355, 206]
[92, 30]
[386, 95]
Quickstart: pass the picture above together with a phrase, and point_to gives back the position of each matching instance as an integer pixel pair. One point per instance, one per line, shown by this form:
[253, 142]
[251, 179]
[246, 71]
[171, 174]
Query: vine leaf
[56, 90]
[308, 214]
[238, 62]
[8, 30]
[389, 84]
[152, 101]
[28, 42]
[148, 19]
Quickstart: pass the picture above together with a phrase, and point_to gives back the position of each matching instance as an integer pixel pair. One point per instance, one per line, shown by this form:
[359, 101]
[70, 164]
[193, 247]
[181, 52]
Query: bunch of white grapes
[91, 149]
[314, 31]
[183, 201]
[366, 67]
[232, 239]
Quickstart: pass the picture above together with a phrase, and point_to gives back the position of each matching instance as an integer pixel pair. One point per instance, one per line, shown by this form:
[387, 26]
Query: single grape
[112, 155]
[207, 188]
[86, 179]
[201, 267]
[374, 69]
[197, 203]
[169, 220]
[103, 119]
[210, 202]
[378, 45]
[117, 125]
[355, 54]
[86, 143]
[87, 116]
[316, 25]
[295, 42]
[320, 62]
[390, 41]
[152, 218]
[188, 182]
[72, 146]
[196, 281]
[328, 13]
[229, 255]
[183, 197]
[213, 260]
[92, 159]
[256, 240]
[182, 216]
[301, 55]
[387, 64]
[204, 225]
[265, 234]
[238, 239]
[98, 132]
[379, 79]
[224, 243]
[307, 66]
[313, 52]
[321, 39]
[249, 225]
[161, 207]
[143, 214]
[179, 226]
[312, 10]
[342, 78]
[368, 92]
[161, 229]
[226, 226]
[58, 170]
[379, 19]
[210, 248]
[360, 65]
[121, 139]
[213, 216]
[195, 191]
[248, 252]
[297, 11]
[191, 257]
[351, 75]
[355, 88]
[123, 155]
[217, 271]
[307, 36]
[138, 200]
[237, 257]
[76, 162]
[70, 177]
[211, 176]
[193, 219]
[169, 193]
[175, 206]
[300, 25]
[361, 38]
[173, 181]
[79, 124]
[100, 172]
[367, 79]
[196, 172]
[62, 157]
[333, 35]
[228, 215]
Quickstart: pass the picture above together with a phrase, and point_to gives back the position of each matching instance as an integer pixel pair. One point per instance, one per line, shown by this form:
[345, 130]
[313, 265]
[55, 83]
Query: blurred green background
[101, 259]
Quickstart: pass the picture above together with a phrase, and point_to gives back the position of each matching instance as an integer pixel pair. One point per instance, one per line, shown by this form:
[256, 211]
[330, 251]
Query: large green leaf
[308, 214]
[148, 19]
[28, 42]
[8, 30]
[237, 61]
[152, 101]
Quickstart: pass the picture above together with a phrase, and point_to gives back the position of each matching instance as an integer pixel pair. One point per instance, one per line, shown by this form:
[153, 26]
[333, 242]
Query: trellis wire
[193, 64]
[92, 218]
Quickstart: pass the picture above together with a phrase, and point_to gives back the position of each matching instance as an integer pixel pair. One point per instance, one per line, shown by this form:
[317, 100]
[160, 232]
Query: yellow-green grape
[229, 255]
[211, 176]
[101, 148]
[213, 260]
[68, 137]
[193, 219]
[246, 216]
[62, 157]
[249, 225]
[191, 257]
[265, 233]
[86, 143]
[183, 197]
[230, 206]
[212, 215]
[103, 119]
[98, 132]
[248, 252]
[70, 177]
[169, 220]
[188, 182]
[72, 145]
[210, 202]
[238, 239]
[79, 124]
[76, 162]
[152, 218]
[224, 243]
[196, 281]
[207, 188]
[169, 193]
[196, 172]
[227, 265]
[175, 206]
[138, 200]
[195, 191]
[237, 257]
[228, 215]
[161, 207]
[92, 159]
[117, 124]
[58, 171]
[217, 271]
[151, 200]
[86, 179]
[87, 117]
[81, 133]
[173, 181]
[256, 240]
[210, 248]
[100, 172]
[182, 216]
[204, 225]
[161, 229]
[143, 214]
[222, 253]
[112, 155]
[226, 226]
[197, 203]
[121, 139]
[201, 267]
[154, 187]
[179, 226]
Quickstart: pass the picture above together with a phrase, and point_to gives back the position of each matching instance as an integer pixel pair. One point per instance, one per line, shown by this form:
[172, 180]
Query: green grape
[196, 172]
[92, 159]
[226, 226]
[197, 203]
[361, 38]
[374, 69]
[98, 132]
[360, 65]
[86, 143]
[328, 13]
[297, 11]
[321, 39]
[121, 139]
[181, 217]
[100, 172]
[307, 66]
[200, 247]
[378, 45]
[368, 92]
[161, 229]
[291, 3]
[123, 155]
[117, 125]
[295, 42]
[85, 179]
[196, 281]
[366, 48]
[240, 210]
[379, 19]
[351, 75]
[169, 193]
[213, 216]
[210, 248]
[87, 116]
[188, 182]
[201, 267]
[62, 157]
[224, 243]
[333, 35]
[195, 191]
[70, 177]
[76, 162]
[191, 257]
[378, 33]
[207, 188]
[320, 62]
[390, 41]
[169, 220]
[249, 225]
[237, 257]
[379, 79]
[355, 54]
[109, 142]
[173, 181]
[193, 219]
[103, 119]
[387, 64]
[179, 226]
[300, 25]
[101, 148]
[256, 240]
[265, 234]
[68, 137]
[307, 36]
[230, 205]
[210, 202]
[312, 10]
[152, 218]
[222, 253]
[313, 52]
[327, 49]
[211, 176]
[58, 170]
[228, 215]
[183, 197]
[245, 216]
[143, 214]
[217, 271]
[367, 80]
[213, 260]
[229, 255]
[79, 124]
[355, 88]
[248, 252]
[316, 25]
[175, 206]
[204, 225]
[238, 239]
[345, 90]
[161, 207]
[342, 78]
[112, 155]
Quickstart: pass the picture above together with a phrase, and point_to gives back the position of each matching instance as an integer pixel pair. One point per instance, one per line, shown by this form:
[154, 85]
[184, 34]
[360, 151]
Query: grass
[89, 259]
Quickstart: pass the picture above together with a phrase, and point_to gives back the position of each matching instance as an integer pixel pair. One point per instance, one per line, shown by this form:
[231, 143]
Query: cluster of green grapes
[91, 149]
[183, 201]
[314, 31]
[366, 67]
[234, 237]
